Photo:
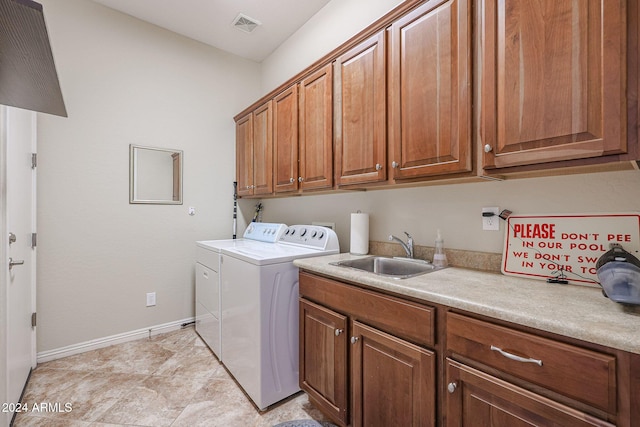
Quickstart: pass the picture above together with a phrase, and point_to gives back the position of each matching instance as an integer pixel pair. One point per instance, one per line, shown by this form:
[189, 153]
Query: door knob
[354, 340]
[16, 262]
[378, 166]
[487, 148]
[291, 180]
[395, 165]
[12, 238]
[300, 179]
[338, 332]
[451, 387]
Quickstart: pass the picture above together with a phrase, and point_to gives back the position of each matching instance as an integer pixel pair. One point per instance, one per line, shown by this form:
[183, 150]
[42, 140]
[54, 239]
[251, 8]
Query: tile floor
[171, 379]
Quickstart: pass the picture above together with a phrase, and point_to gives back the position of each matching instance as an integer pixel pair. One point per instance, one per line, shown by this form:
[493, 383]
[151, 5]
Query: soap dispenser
[439, 257]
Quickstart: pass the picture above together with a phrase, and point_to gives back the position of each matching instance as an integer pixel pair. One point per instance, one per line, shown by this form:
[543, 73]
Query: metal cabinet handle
[487, 148]
[291, 180]
[16, 262]
[378, 166]
[395, 165]
[354, 340]
[338, 332]
[516, 358]
[300, 179]
[451, 387]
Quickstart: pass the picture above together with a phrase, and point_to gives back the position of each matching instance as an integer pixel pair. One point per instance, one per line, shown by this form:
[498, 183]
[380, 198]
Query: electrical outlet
[491, 222]
[151, 299]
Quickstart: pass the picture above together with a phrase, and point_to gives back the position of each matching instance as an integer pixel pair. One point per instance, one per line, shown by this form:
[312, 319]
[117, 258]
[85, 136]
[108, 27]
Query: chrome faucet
[408, 247]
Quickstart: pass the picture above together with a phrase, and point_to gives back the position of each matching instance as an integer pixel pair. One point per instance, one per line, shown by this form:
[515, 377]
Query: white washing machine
[208, 254]
[259, 309]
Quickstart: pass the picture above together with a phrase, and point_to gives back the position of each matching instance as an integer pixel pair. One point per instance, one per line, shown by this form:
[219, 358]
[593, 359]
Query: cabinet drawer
[411, 321]
[580, 374]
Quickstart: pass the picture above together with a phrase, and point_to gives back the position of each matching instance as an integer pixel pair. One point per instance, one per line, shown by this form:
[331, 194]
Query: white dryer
[208, 254]
[259, 309]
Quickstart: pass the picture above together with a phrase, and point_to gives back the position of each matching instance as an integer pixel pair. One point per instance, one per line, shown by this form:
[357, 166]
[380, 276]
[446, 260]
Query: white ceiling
[211, 21]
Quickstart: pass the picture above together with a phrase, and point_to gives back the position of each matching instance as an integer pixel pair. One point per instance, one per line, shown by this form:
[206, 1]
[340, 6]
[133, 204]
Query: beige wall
[127, 82]
[455, 209]
[336, 23]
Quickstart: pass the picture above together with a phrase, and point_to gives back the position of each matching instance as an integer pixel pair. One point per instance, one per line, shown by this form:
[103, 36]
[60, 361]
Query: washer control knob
[303, 232]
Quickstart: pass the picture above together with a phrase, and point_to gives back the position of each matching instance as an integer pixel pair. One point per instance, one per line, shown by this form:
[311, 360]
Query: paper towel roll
[359, 234]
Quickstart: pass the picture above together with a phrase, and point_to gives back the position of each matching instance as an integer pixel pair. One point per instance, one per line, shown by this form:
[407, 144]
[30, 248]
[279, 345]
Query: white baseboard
[70, 350]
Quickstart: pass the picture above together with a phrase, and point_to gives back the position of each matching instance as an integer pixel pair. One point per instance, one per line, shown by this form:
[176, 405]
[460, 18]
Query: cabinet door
[285, 140]
[208, 306]
[316, 130]
[552, 81]
[430, 121]
[360, 121]
[262, 150]
[244, 155]
[393, 381]
[323, 359]
[476, 399]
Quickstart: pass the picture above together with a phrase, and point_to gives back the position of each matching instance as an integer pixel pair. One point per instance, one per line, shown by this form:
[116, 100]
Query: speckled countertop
[573, 311]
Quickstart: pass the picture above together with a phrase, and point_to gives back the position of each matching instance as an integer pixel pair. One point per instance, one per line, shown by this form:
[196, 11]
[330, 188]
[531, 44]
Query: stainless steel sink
[397, 268]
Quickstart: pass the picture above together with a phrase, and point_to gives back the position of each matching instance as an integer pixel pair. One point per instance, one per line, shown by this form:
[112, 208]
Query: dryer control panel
[264, 231]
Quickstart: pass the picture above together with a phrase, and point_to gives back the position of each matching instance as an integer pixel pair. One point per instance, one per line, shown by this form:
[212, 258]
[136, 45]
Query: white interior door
[19, 140]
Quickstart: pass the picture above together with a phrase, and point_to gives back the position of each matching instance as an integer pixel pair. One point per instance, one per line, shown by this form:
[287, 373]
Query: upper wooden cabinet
[285, 140]
[430, 96]
[244, 154]
[316, 130]
[551, 78]
[262, 150]
[446, 89]
[254, 152]
[360, 113]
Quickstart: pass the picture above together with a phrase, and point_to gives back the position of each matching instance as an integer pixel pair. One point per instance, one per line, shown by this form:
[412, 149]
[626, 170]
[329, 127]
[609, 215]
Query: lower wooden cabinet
[358, 374]
[477, 399]
[392, 381]
[372, 359]
[323, 359]
[553, 365]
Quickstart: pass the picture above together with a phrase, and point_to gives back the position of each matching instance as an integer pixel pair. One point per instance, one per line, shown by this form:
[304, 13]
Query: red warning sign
[566, 246]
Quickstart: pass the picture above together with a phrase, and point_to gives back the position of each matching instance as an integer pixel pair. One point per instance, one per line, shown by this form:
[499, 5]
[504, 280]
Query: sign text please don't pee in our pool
[546, 246]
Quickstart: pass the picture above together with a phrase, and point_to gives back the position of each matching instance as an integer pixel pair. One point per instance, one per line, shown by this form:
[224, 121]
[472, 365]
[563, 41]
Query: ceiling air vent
[245, 23]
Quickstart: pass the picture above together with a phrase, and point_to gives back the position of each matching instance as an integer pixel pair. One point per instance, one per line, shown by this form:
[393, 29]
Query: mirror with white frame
[155, 175]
